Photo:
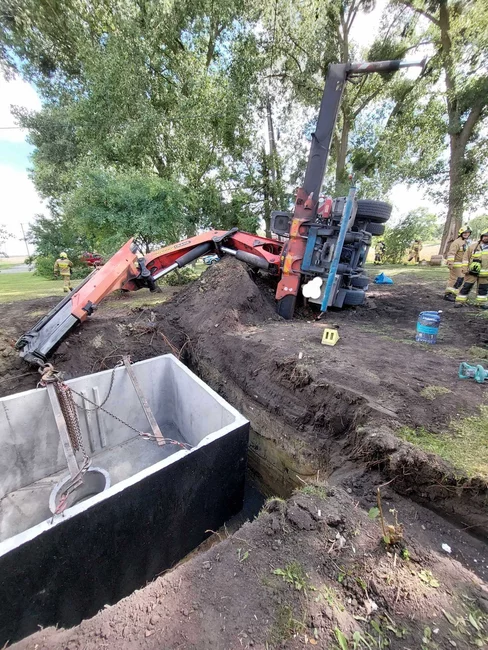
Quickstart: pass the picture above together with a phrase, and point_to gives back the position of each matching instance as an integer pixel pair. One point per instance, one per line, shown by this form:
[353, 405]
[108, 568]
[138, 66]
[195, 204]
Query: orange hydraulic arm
[125, 271]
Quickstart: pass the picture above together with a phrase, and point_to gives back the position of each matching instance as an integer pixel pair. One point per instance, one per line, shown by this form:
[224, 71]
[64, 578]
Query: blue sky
[19, 202]
[15, 154]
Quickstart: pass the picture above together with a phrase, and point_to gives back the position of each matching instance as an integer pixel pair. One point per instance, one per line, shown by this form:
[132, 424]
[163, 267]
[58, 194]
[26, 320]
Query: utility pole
[25, 240]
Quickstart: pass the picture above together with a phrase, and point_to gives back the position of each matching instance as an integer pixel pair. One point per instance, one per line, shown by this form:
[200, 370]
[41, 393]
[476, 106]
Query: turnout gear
[379, 251]
[475, 265]
[455, 256]
[63, 267]
[414, 253]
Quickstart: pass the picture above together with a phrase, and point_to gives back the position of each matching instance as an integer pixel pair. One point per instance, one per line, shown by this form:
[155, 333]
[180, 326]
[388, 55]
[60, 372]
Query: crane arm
[124, 271]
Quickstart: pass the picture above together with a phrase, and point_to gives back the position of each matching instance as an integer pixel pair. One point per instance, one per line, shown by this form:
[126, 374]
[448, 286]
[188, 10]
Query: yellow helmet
[464, 229]
[62, 255]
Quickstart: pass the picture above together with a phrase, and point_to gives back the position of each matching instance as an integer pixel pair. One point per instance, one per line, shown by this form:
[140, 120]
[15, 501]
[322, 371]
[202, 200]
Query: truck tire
[360, 281]
[354, 297]
[286, 307]
[375, 211]
[375, 228]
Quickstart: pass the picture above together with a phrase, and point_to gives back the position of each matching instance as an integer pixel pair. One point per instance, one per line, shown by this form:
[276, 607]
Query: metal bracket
[144, 403]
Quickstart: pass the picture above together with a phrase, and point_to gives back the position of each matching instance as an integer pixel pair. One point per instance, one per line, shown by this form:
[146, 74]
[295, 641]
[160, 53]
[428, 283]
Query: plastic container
[428, 326]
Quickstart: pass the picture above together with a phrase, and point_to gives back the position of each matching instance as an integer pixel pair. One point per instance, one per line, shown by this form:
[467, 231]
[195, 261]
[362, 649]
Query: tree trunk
[456, 193]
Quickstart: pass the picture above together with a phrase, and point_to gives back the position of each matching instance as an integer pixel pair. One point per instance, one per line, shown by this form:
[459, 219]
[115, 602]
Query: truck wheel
[375, 211]
[360, 281]
[286, 307]
[375, 228]
[354, 297]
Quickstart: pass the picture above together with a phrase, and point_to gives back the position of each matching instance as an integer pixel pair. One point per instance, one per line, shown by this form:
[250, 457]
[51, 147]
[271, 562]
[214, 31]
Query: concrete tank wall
[57, 571]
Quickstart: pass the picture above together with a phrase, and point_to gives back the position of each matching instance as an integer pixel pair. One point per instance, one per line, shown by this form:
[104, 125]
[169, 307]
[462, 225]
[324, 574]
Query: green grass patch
[24, 286]
[431, 392]
[465, 445]
[432, 273]
[478, 353]
[314, 490]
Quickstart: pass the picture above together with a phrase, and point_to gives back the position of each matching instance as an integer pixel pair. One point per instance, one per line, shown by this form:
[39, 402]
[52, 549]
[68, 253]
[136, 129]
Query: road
[20, 268]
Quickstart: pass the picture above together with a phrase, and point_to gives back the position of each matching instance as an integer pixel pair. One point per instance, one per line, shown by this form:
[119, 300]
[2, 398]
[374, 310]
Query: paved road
[20, 268]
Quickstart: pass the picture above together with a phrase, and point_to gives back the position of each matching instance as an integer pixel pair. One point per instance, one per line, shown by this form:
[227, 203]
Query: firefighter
[475, 267]
[414, 253]
[379, 251]
[63, 266]
[455, 256]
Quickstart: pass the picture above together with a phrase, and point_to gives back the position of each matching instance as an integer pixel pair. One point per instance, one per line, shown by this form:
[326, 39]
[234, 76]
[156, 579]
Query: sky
[19, 201]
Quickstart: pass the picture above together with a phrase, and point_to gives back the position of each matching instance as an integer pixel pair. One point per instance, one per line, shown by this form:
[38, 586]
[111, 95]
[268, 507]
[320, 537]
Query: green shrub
[45, 267]
[181, 277]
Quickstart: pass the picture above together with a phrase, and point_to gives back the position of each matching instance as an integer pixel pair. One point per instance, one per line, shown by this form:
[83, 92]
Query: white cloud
[19, 203]
[15, 93]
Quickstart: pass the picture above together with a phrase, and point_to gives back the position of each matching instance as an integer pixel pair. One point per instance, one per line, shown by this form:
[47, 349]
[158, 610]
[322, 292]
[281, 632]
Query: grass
[433, 273]
[431, 392]
[24, 286]
[465, 445]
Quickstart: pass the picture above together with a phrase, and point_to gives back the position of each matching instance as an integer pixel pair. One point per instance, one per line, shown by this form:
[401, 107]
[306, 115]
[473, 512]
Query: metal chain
[147, 436]
[99, 406]
[68, 408]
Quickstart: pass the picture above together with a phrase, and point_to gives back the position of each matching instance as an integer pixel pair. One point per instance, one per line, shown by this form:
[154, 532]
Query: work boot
[450, 297]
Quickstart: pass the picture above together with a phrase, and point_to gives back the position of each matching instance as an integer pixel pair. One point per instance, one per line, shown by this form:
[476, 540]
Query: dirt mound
[226, 296]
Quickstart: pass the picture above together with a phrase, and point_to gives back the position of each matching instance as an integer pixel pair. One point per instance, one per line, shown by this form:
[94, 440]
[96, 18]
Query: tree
[459, 34]
[302, 45]
[4, 234]
[478, 225]
[165, 89]
[417, 224]
[117, 206]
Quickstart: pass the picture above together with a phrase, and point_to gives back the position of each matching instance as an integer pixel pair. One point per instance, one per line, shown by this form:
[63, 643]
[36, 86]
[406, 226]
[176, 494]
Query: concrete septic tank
[157, 503]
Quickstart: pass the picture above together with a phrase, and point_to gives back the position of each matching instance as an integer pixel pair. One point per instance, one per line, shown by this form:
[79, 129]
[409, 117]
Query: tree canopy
[153, 112]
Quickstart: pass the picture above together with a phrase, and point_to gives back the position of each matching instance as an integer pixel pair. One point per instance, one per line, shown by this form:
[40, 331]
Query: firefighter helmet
[484, 234]
[63, 255]
[464, 229]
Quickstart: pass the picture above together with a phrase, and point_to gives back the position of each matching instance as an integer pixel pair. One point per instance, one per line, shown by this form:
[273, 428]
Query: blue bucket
[428, 326]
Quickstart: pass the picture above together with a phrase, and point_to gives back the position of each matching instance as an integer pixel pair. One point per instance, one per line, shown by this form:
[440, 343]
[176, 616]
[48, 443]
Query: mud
[315, 411]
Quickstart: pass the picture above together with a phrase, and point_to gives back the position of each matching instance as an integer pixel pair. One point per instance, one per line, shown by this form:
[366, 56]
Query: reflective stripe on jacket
[477, 252]
[63, 266]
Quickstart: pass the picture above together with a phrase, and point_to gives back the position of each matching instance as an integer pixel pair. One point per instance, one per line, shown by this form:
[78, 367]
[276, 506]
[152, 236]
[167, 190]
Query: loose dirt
[330, 412]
